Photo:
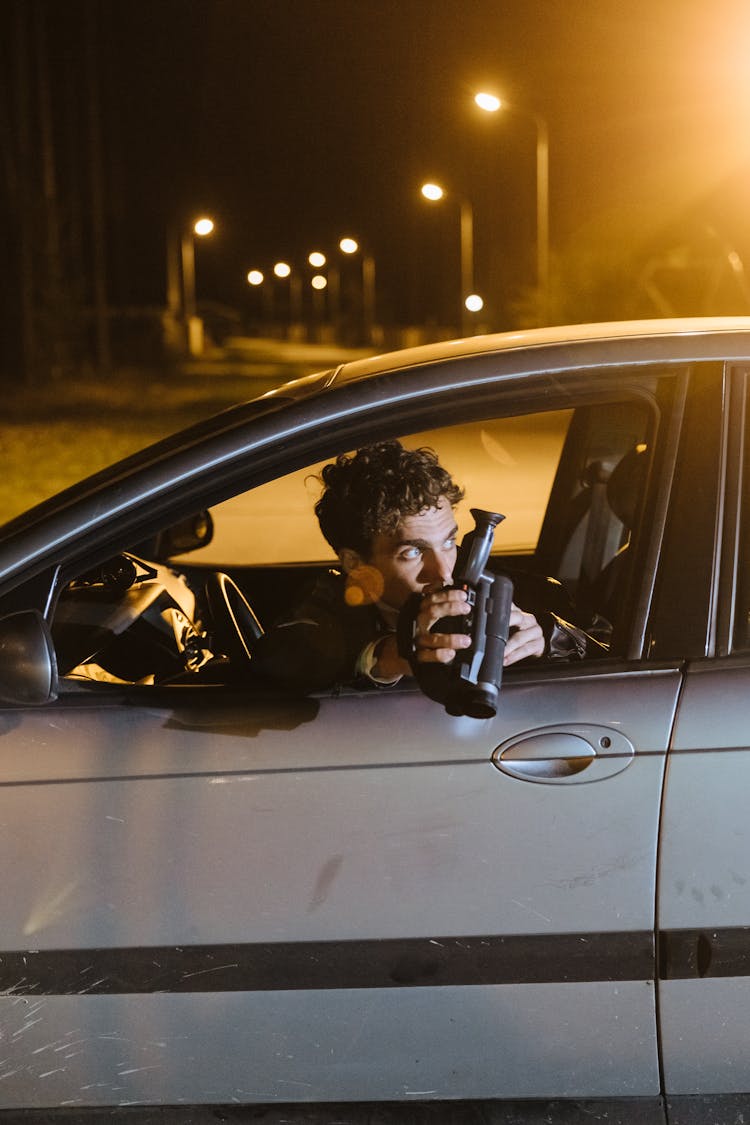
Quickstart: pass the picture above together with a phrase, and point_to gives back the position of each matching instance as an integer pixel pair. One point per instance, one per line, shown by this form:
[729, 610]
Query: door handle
[565, 754]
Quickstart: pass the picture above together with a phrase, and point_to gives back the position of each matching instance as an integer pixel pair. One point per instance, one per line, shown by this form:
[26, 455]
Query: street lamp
[318, 284]
[350, 246]
[490, 103]
[256, 279]
[193, 326]
[284, 271]
[435, 193]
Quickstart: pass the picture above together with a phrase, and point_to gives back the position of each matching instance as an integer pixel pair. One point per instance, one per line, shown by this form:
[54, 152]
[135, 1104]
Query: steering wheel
[236, 628]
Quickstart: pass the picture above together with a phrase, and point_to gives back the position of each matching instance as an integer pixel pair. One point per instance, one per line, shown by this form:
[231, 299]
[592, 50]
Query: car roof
[547, 338]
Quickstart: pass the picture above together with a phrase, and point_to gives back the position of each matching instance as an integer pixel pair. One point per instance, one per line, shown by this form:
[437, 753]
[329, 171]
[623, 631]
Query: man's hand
[525, 637]
[430, 647]
[440, 648]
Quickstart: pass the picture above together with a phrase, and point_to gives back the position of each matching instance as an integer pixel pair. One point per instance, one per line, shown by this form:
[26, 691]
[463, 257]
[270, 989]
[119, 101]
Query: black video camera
[470, 684]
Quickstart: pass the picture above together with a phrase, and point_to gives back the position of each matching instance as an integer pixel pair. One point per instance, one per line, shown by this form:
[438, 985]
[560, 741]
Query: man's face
[421, 553]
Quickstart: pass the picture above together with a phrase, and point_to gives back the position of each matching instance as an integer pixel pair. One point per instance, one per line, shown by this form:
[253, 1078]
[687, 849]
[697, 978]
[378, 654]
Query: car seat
[600, 591]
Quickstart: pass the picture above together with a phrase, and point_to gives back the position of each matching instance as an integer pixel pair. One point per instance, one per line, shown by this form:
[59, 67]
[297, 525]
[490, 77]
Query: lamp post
[296, 287]
[317, 261]
[490, 103]
[434, 193]
[350, 246]
[256, 279]
[284, 271]
[318, 284]
[193, 325]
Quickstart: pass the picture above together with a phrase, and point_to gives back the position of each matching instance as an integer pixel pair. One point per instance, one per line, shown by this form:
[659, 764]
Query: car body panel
[704, 898]
[292, 1046]
[706, 1035]
[425, 841]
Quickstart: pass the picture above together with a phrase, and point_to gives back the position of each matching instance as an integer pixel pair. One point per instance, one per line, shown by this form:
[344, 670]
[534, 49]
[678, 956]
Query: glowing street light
[193, 328]
[284, 272]
[491, 104]
[318, 284]
[202, 227]
[257, 280]
[488, 102]
[350, 246]
[295, 276]
[435, 194]
[474, 303]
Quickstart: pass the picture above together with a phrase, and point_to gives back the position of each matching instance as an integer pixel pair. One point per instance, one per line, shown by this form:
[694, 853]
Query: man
[388, 513]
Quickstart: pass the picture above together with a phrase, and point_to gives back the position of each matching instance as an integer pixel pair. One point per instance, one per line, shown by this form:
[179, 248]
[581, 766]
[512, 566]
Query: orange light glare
[432, 192]
[474, 302]
[319, 282]
[255, 277]
[488, 102]
[282, 269]
[203, 227]
[348, 246]
[317, 260]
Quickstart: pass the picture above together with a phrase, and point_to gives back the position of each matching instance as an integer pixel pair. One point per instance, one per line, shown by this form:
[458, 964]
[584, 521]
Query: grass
[58, 434]
[53, 437]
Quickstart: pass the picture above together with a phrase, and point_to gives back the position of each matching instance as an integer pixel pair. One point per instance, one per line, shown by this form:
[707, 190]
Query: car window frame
[349, 416]
[615, 385]
[681, 620]
[734, 530]
[325, 437]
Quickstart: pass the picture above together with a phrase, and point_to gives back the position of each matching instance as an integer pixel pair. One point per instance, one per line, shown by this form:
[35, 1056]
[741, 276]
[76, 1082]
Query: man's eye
[449, 544]
[410, 553]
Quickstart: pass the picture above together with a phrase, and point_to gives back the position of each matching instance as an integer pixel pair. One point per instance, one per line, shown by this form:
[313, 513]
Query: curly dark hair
[371, 491]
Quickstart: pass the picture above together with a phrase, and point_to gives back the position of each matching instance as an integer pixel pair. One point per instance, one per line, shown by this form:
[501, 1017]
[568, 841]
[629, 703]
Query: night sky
[293, 122]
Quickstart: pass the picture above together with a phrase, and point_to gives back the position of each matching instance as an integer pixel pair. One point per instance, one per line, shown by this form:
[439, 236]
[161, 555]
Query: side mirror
[179, 539]
[28, 668]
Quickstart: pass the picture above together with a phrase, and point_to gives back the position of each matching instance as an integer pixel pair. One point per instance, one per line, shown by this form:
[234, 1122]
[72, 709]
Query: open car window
[570, 484]
[508, 464]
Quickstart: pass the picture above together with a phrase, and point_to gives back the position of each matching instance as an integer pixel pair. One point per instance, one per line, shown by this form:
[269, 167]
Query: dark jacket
[318, 643]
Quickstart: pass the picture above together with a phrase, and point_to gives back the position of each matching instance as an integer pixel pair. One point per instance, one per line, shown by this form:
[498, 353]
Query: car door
[704, 900]
[222, 894]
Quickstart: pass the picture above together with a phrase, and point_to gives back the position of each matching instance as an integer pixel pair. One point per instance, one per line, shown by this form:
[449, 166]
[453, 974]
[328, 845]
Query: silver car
[214, 892]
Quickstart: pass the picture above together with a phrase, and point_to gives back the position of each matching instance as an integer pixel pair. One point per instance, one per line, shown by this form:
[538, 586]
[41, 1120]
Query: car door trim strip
[386, 963]
[687, 954]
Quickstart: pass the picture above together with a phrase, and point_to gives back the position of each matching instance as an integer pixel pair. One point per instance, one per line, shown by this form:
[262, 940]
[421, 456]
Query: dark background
[292, 122]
